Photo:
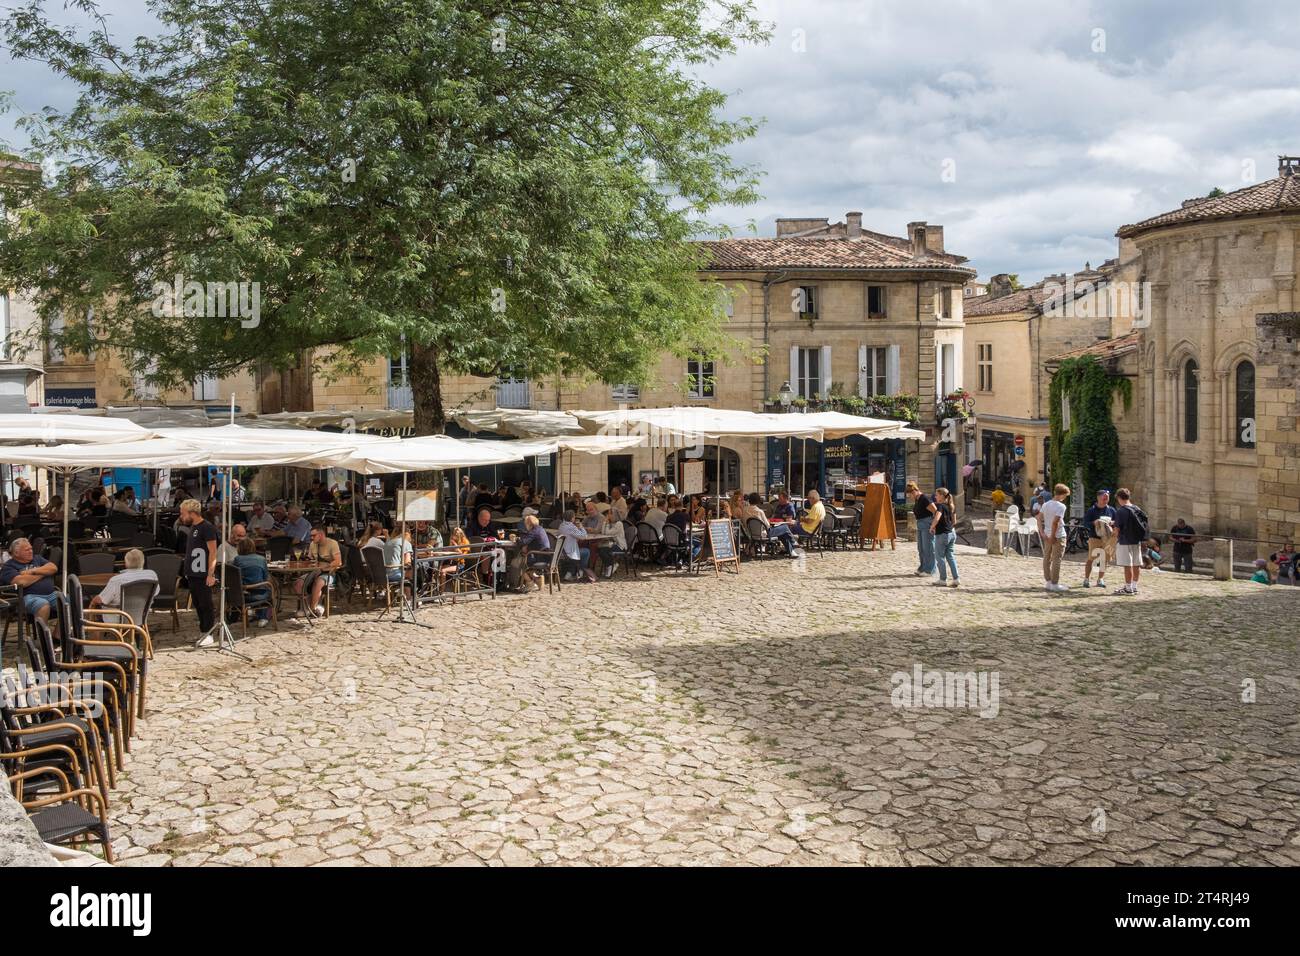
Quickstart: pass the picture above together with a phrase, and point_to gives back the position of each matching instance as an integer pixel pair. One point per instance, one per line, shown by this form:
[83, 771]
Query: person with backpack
[1134, 529]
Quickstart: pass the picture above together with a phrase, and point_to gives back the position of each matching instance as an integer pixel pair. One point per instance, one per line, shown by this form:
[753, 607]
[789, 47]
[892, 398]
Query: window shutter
[794, 370]
[825, 372]
[864, 380]
[893, 363]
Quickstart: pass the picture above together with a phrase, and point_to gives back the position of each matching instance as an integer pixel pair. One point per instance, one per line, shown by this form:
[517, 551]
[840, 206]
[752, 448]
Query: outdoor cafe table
[293, 570]
[92, 584]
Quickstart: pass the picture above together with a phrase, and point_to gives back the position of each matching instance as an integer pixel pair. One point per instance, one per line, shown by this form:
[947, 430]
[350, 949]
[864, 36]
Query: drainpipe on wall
[767, 336]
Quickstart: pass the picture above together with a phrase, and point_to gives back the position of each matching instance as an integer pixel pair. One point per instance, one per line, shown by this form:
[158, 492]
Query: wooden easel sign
[723, 546]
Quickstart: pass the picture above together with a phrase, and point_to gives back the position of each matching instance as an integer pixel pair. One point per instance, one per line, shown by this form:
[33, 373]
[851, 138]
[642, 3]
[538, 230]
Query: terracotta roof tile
[1105, 349]
[867, 252]
[1274, 195]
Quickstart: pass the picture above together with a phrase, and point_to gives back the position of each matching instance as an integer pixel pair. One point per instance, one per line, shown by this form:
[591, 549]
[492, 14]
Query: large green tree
[502, 187]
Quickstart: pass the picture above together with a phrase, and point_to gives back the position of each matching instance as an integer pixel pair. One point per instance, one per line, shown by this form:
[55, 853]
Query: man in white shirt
[1051, 531]
[111, 596]
[656, 516]
[618, 503]
[229, 550]
[262, 521]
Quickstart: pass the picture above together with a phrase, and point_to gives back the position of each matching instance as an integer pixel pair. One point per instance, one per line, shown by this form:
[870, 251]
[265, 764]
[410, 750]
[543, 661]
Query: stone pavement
[750, 720]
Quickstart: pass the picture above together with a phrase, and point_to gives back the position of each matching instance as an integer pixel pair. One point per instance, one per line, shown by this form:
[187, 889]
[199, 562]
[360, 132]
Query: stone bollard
[1223, 559]
[998, 527]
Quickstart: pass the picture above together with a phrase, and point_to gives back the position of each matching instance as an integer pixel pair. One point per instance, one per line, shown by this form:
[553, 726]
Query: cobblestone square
[747, 720]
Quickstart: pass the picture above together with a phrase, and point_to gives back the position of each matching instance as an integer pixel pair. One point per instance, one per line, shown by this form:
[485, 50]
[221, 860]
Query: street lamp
[786, 396]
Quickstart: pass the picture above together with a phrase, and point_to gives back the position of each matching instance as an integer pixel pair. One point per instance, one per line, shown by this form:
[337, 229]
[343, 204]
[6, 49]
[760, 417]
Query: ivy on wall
[1092, 441]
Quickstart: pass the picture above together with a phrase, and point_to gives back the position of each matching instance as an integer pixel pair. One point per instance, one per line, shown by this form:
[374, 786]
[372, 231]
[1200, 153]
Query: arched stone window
[1245, 399]
[1191, 401]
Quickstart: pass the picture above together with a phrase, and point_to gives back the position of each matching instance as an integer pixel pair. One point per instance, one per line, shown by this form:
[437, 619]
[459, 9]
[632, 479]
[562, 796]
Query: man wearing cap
[1100, 522]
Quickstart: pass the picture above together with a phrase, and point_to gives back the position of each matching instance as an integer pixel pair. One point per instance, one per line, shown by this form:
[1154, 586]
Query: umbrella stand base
[223, 643]
[406, 608]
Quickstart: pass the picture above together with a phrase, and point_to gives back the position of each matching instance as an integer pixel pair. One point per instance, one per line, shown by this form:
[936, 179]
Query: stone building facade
[1277, 412]
[826, 307]
[1016, 338]
[1212, 266]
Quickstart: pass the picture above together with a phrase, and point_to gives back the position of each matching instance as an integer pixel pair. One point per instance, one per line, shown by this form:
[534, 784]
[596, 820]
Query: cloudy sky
[1031, 129]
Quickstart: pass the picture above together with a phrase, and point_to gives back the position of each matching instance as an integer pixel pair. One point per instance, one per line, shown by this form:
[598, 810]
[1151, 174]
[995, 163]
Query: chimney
[793, 226]
[916, 236]
[934, 238]
[853, 220]
[1000, 285]
[1288, 165]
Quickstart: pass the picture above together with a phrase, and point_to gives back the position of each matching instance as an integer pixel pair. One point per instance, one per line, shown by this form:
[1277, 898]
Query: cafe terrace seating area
[75, 684]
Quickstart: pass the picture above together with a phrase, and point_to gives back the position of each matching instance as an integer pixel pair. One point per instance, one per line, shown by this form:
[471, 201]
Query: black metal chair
[245, 599]
[143, 539]
[759, 541]
[168, 569]
[649, 543]
[278, 548]
[63, 817]
[377, 575]
[676, 548]
[80, 645]
[95, 562]
[104, 682]
[121, 526]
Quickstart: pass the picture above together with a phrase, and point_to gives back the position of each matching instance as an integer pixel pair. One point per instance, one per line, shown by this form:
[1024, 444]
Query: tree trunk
[426, 396]
[426, 390]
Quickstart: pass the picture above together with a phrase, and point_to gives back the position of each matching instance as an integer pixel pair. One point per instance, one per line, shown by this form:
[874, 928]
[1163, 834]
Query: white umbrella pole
[67, 483]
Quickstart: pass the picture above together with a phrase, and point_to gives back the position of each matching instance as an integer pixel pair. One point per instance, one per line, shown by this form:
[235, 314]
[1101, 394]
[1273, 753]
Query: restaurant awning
[28, 429]
[840, 425]
[518, 422]
[431, 452]
[678, 425]
[147, 453]
[242, 445]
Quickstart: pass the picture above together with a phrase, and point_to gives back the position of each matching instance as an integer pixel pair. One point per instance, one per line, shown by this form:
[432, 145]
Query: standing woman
[924, 510]
[945, 538]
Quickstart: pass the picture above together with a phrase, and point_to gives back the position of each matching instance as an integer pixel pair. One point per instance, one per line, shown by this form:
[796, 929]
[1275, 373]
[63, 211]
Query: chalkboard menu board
[723, 545]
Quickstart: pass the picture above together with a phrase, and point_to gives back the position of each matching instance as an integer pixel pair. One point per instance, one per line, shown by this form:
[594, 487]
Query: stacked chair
[68, 716]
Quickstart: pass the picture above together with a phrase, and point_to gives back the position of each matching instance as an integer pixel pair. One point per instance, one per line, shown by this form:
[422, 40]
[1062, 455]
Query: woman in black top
[923, 509]
[945, 539]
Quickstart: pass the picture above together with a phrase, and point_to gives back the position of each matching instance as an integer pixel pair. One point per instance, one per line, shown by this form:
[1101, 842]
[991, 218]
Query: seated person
[610, 551]
[262, 521]
[576, 559]
[54, 510]
[325, 551]
[779, 531]
[482, 525]
[297, 528]
[460, 543]
[1151, 555]
[784, 510]
[594, 519]
[134, 570]
[34, 575]
[537, 547]
[229, 550]
[601, 500]
[813, 515]
[374, 536]
[397, 552]
[253, 570]
[657, 515]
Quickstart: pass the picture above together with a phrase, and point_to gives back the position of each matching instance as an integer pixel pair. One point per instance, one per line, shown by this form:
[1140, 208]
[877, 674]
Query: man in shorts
[1131, 524]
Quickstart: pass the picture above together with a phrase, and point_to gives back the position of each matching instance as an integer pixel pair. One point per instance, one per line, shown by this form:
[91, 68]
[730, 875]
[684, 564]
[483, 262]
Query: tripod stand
[223, 639]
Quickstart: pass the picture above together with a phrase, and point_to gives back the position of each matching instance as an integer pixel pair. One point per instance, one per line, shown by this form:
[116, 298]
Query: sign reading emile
[723, 546]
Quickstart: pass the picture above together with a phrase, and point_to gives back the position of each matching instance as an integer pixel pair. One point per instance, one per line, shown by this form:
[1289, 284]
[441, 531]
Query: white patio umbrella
[68, 459]
[18, 428]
